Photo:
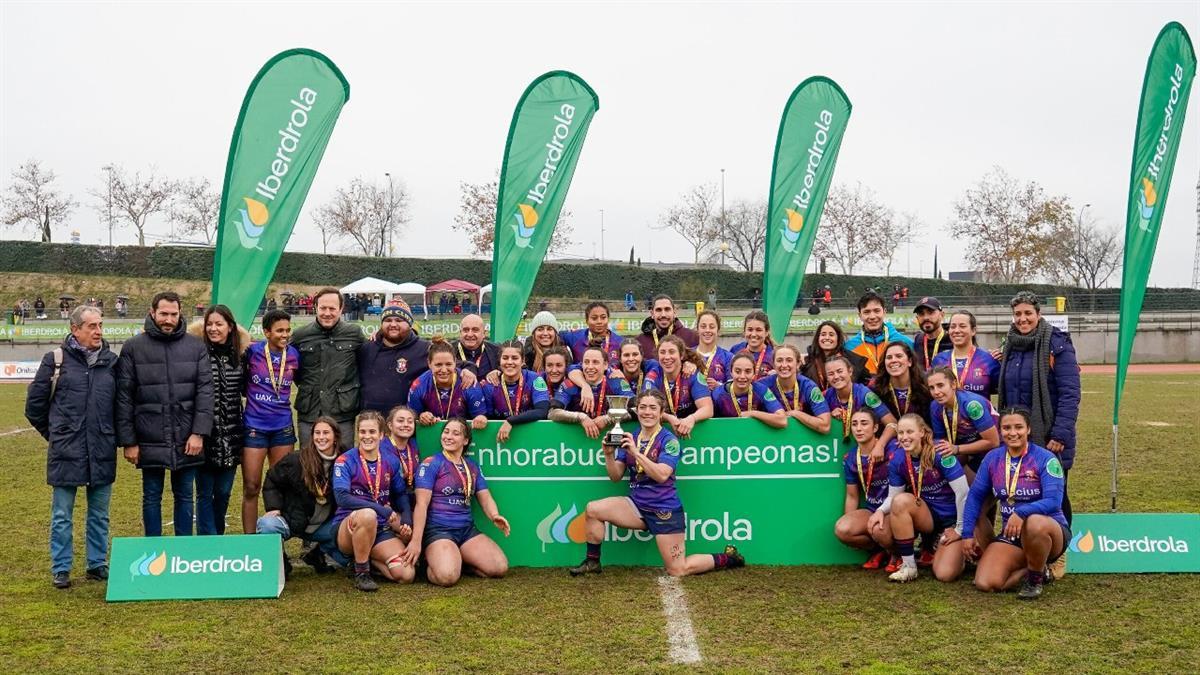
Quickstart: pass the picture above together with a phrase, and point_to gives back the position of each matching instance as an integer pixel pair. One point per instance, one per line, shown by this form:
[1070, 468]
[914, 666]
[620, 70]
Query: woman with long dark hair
[716, 358]
[440, 393]
[829, 341]
[800, 396]
[520, 395]
[758, 343]
[688, 397]
[543, 335]
[900, 383]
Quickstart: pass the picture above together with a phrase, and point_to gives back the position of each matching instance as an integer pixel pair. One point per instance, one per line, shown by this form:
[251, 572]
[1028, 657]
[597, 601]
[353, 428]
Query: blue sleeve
[897, 336]
[813, 396]
[426, 474]
[880, 408]
[986, 421]
[416, 396]
[480, 481]
[1065, 372]
[566, 393]
[670, 452]
[935, 421]
[981, 489]
[620, 386]
[654, 376]
[940, 359]
[488, 390]
[399, 491]
[850, 469]
[538, 392]
[896, 475]
[699, 388]
[343, 472]
[1052, 491]
[952, 470]
[770, 401]
[476, 404]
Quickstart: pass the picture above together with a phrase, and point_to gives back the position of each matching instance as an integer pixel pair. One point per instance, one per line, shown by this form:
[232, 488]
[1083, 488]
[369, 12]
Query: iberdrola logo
[562, 528]
[790, 230]
[1167, 139]
[1146, 201]
[1083, 542]
[148, 564]
[527, 219]
[253, 222]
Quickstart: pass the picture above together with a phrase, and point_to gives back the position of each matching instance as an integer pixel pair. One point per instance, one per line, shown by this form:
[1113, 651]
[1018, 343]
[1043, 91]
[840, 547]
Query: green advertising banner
[281, 133]
[191, 568]
[774, 493]
[806, 150]
[1165, 91]
[1135, 542]
[544, 141]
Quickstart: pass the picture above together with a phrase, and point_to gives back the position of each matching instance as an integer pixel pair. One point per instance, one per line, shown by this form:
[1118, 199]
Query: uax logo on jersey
[252, 220]
[1148, 199]
[793, 221]
[526, 217]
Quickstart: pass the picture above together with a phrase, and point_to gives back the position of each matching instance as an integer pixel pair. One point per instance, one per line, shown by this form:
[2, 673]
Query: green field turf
[756, 619]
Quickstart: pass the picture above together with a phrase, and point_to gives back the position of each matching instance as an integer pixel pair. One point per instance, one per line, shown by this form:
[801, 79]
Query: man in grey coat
[164, 409]
[71, 404]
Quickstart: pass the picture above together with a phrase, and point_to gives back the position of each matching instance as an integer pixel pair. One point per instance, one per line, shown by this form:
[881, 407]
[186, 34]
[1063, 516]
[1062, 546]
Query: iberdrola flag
[806, 151]
[281, 132]
[544, 142]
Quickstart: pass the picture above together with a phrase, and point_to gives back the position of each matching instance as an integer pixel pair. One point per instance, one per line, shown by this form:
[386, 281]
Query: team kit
[944, 435]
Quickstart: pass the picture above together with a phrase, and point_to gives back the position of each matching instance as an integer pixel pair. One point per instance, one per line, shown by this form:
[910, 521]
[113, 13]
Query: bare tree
[196, 208]
[30, 199]
[1088, 254]
[477, 218]
[850, 225]
[746, 233]
[367, 213]
[1013, 228]
[693, 217]
[135, 199]
[891, 234]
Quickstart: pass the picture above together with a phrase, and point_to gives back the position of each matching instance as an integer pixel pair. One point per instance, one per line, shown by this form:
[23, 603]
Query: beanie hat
[398, 309]
[542, 318]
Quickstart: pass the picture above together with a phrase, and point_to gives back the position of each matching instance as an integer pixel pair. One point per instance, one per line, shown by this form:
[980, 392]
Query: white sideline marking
[1152, 423]
[774, 476]
[11, 432]
[680, 635]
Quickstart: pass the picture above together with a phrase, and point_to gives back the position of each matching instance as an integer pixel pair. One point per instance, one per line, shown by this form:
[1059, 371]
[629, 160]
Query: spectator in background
[443, 304]
[827, 296]
[39, 308]
[122, 308]
[630, 303]
[164, 410]
[328, 383]
[71, 402]
[391, 360]
[64, 308]
[712, 298]
[932, 339]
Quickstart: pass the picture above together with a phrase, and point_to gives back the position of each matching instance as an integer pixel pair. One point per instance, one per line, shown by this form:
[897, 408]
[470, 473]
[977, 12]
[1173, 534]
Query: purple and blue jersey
[613, 385]
[905, 471]
[979, 373]
[874, 476]
[1039, 486]
[505, 400]
[409, 456]
[579, 340]
[355, 480]
[648, 494]
[268, 408]
[975, 415]
[444, 403]
[806, 393]
[764, 361]
[760, 397]
[717, 364]
[448, 507]
[682, 393]
[860, 397]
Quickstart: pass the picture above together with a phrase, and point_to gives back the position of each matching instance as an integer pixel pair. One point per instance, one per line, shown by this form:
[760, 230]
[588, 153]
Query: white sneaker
[905, 574]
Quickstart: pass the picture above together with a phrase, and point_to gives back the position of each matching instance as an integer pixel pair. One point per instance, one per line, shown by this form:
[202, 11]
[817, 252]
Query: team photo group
[944, 434]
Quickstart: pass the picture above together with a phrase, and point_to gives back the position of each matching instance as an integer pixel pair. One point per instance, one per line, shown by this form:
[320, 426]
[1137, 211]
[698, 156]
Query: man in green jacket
[328, 380]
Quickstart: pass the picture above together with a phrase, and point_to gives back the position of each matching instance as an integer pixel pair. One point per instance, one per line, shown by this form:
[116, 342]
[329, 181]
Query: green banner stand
[774, 493]
[194, 568]
[1134, 542]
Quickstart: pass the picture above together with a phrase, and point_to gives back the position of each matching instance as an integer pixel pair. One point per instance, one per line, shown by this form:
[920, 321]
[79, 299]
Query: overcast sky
[941, 93]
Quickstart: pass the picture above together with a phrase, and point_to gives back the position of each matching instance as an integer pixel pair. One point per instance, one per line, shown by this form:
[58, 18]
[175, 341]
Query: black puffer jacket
[284, 491]
[164, 394]
[223, 447]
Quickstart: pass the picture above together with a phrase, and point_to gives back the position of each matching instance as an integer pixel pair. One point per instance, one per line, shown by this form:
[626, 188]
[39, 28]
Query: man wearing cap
[932, 339]
[472, 353]
[391, 360]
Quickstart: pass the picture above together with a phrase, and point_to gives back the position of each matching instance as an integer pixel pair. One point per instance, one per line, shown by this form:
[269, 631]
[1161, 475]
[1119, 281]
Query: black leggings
[1066, 502]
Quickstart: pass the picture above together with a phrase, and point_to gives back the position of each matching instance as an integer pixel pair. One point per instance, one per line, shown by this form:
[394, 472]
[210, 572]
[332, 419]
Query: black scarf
[1042, 407]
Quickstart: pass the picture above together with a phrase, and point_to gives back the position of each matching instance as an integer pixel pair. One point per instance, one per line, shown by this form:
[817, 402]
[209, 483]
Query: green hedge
[556, 280]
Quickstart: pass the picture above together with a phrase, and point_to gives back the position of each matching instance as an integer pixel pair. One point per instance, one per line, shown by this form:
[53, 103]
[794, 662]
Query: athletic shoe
[893, 564]
[364, 582]
[1031, 588]
[735, 559]
[588, 566]
[315, 558]
[905, 574]
[877, 560]
[61, 580]
[98, 573]
[287, 567]
[925, 559]
[1058, 568]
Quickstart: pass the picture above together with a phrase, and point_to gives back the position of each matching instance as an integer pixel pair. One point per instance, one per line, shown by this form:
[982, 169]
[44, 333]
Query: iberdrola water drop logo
[790, 230]
[148, 564]
[1083, 542]
[527, 220]
[1146, 202]
[253, 222]
[562, 528]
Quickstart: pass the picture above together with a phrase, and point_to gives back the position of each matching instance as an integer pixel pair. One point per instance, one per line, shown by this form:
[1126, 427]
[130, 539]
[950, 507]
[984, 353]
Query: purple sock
[904, 547]
[362, 567]
[720, 560]
[593, 551]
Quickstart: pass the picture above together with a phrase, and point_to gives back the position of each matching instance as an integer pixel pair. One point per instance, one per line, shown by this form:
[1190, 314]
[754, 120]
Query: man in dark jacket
[164, 410]
[390, 362]
[933, 337]
[661, 323]
[328, 381]
[472, 352]
[77, 418]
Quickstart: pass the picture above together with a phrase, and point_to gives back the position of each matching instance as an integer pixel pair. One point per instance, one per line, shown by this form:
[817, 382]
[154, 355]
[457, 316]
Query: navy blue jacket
[78, 422]
[387, 373]
[1063, 385]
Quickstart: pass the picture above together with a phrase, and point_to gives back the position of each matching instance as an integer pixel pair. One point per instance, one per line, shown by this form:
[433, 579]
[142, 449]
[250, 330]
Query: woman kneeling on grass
[446, 483]
[865, 527]
[373, 508]
[650, 454]
[1027, 481]
[933, 506]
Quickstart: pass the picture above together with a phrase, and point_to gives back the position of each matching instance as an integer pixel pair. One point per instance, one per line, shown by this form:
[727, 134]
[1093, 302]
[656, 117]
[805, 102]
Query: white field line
[12, 432]
[680, 636]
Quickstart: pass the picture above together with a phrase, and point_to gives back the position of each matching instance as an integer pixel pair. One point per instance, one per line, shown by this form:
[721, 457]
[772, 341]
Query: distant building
[967, 276]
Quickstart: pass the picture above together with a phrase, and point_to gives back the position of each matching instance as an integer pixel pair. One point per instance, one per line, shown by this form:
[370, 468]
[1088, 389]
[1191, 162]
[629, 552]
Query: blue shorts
[257, 438]
[382, 532]
[1066, 532]
[941, 523]
[458, 535]
[663, 522]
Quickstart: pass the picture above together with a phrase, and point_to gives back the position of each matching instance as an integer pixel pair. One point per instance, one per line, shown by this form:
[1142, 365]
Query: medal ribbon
[463, 475]
[367, 475]
[869, 467]
[1010, 482]
[463, 355]
[795, 396]
[644, 448]
[276, 384]
[960, 376]
[749, 399]
[896, 401]
[600, 409]
[936, 344]
[952, 431]
[674, 393]
[520, 389]
[450, 400]
[847, 411]
[408, 459]
[916, 481]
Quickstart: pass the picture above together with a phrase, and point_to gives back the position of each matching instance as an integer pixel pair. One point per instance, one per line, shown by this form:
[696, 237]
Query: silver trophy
[617, 410]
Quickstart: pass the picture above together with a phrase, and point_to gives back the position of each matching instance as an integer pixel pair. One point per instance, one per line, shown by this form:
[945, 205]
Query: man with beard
[661, 323]
[872, 341]
[328, 383]
[933, 338]
[392, 360]
[472, 353]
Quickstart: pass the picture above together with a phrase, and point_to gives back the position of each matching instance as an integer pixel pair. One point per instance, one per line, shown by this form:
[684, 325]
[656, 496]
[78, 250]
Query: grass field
[755, 619]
